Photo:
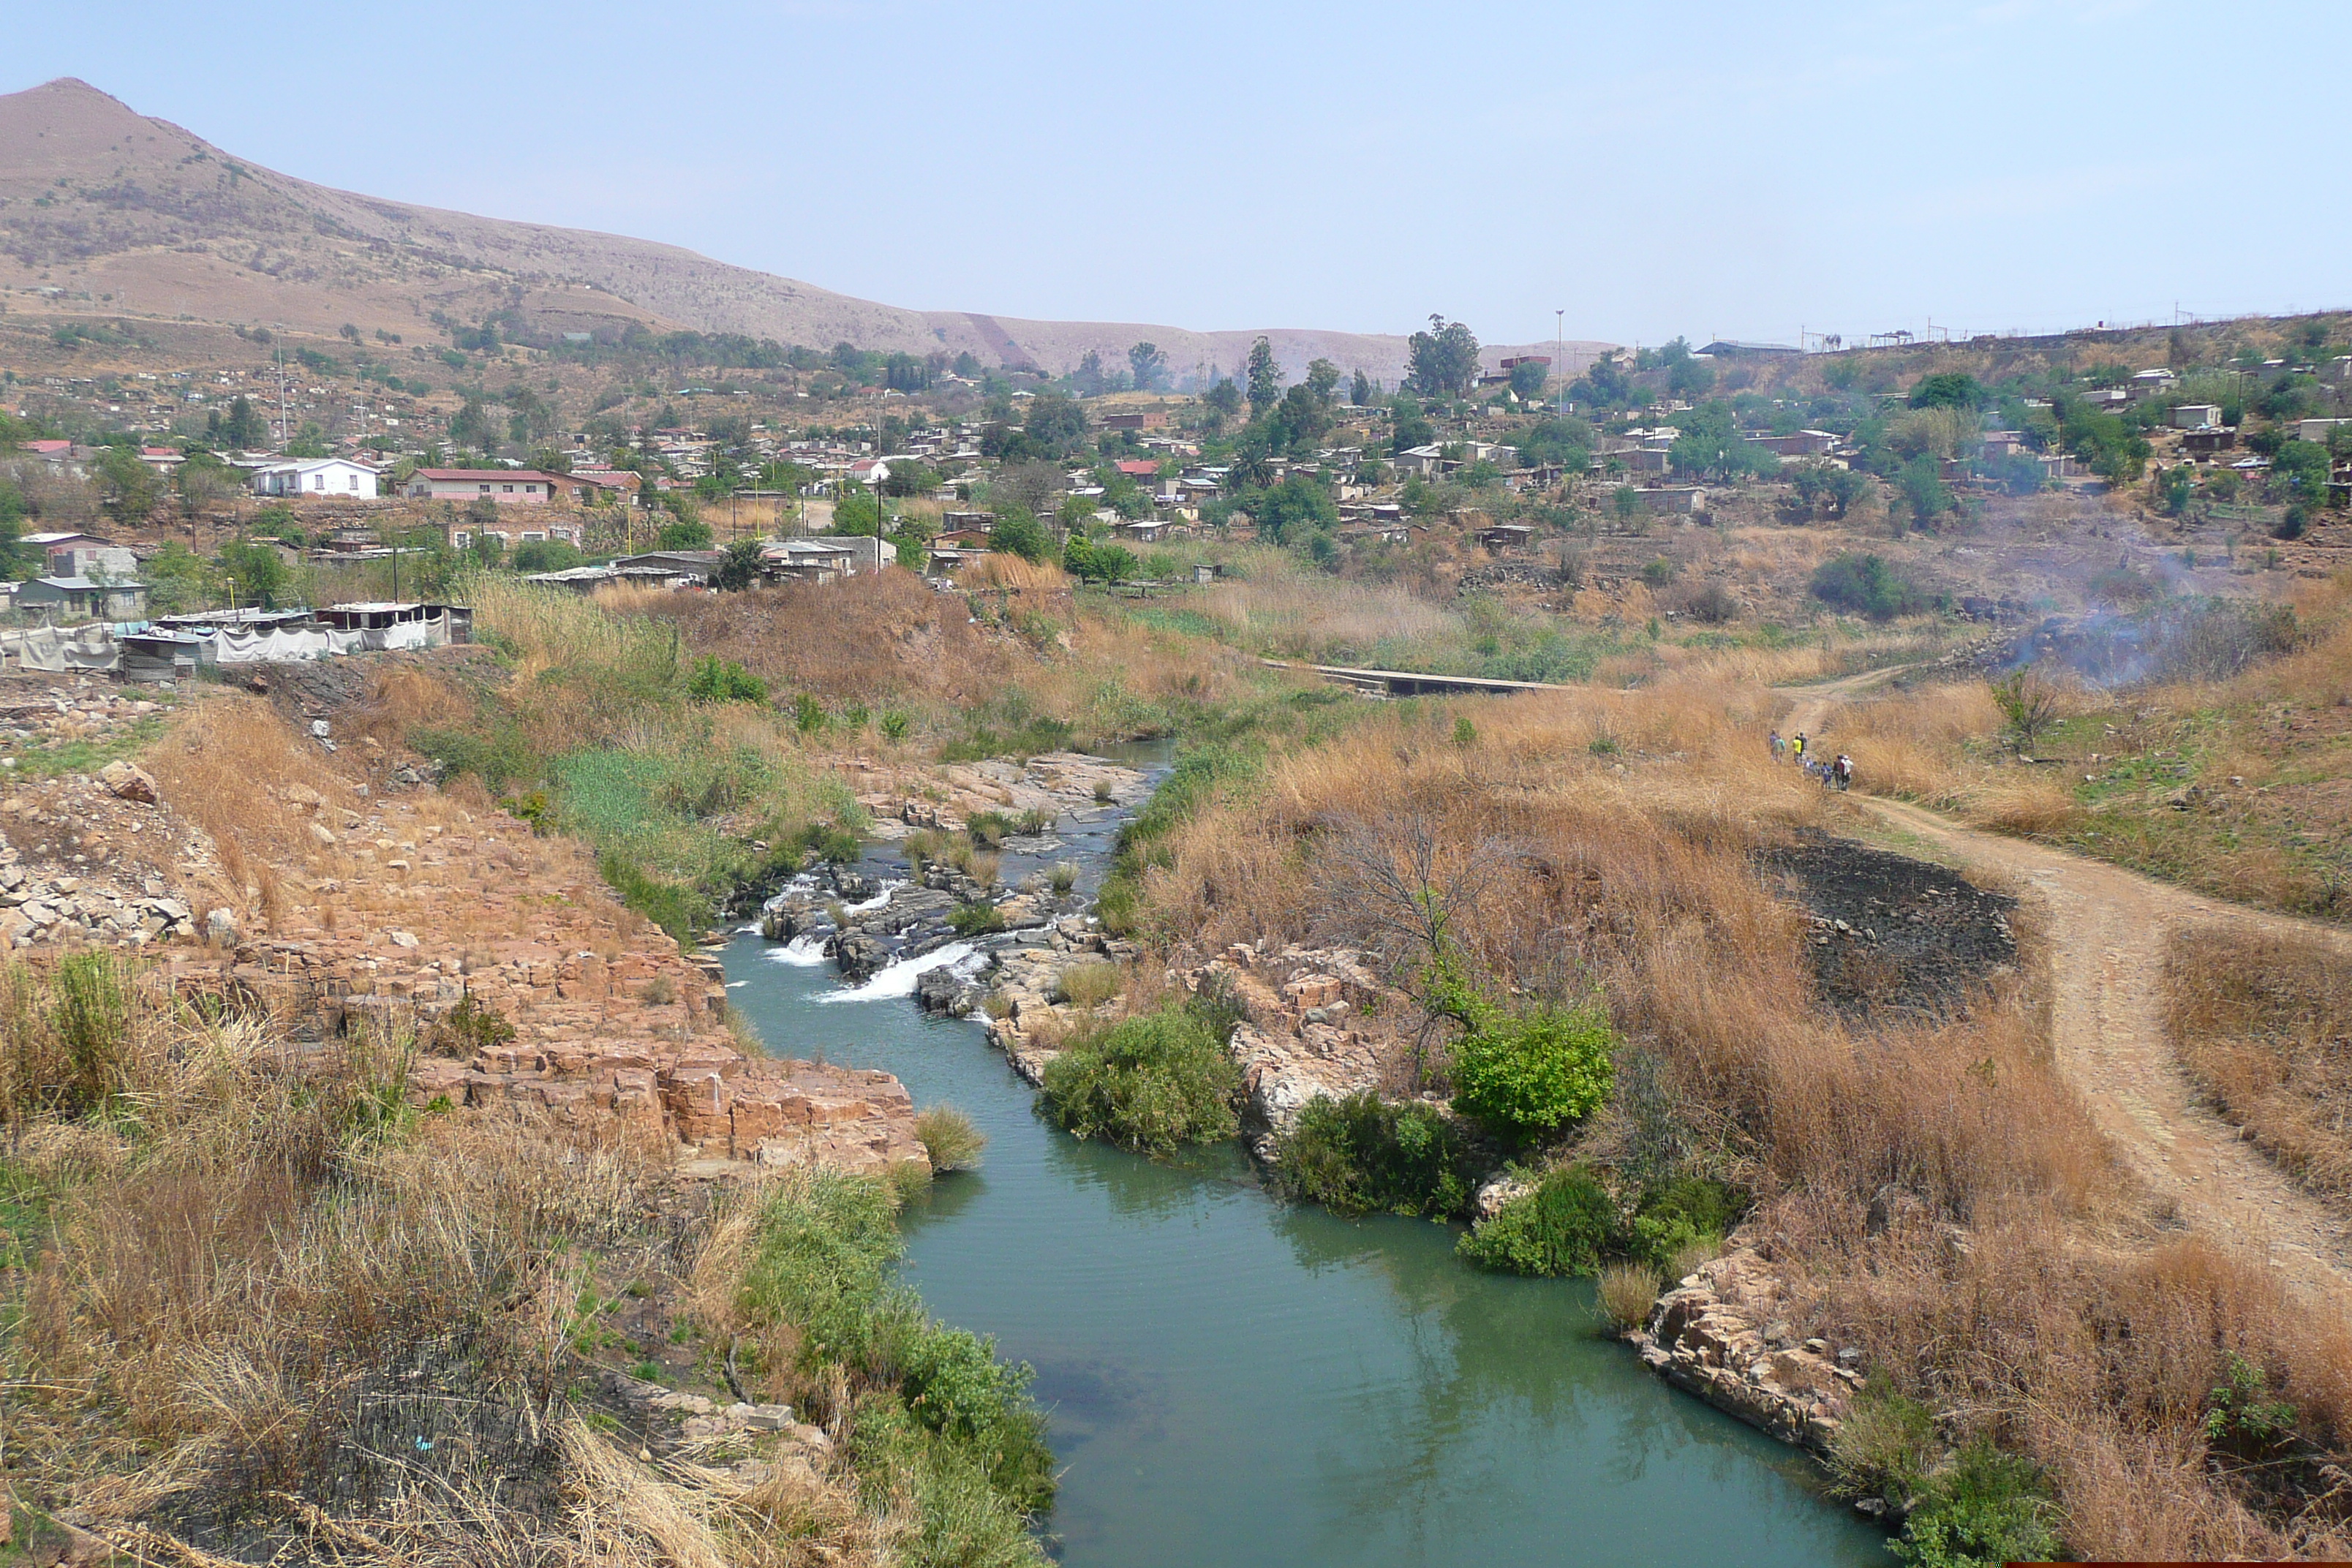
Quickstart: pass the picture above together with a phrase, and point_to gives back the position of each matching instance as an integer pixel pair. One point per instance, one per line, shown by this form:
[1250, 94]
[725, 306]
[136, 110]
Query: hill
[110, 208]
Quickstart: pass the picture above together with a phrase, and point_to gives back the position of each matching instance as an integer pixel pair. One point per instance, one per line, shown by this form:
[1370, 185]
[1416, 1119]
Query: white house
[339, 477]
[2195, 416]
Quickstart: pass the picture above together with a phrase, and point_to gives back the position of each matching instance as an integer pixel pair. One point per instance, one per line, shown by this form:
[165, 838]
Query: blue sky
[1712, 169]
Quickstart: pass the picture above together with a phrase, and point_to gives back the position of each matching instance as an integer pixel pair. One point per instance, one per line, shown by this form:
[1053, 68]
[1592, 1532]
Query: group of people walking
[1836, 774]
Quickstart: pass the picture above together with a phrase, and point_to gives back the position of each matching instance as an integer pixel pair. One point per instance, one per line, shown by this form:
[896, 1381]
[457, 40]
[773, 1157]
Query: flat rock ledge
[1719, 1334]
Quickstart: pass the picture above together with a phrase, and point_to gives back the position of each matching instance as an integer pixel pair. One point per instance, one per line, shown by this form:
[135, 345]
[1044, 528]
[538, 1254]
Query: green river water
[1235, 1381]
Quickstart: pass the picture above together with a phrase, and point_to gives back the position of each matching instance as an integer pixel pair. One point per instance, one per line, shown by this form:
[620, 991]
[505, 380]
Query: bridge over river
[1412, 682]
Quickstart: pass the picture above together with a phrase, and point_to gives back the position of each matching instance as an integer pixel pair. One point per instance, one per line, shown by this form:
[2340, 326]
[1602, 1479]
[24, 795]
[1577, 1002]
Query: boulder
[128, 781]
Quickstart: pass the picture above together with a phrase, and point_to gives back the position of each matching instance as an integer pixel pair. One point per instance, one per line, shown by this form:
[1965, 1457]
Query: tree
[1528, 379]
[131, 488]
[243, 430]
[1949, 389]
[738, 567]
[1264, 378]
[686, 533]
[2029, 705]
[1222, 401]
[1921, 483]
[1407, 427]
[471, 425]
[1826, 484]
[1018, 534]
[1089, 376]
[1148, 367]
[1444, 359]
[908, 477]
[1361, 392]
[255, 572]
[856, 514]
[312, 442]
[1294, 509]
[1868, 585]
[1056, 425]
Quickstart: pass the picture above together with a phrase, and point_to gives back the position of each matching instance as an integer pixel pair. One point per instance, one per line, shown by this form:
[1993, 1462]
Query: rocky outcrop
[946, 798]
[345, 911]
[1303, 1036]
[1720, 1333]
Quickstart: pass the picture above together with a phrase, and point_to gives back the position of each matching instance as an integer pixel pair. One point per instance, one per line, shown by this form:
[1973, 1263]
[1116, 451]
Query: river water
[1233, 1381]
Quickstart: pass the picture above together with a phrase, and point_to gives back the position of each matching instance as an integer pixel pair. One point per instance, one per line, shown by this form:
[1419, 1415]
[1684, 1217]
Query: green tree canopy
[1147, 367]
[1528, 379]
[1444, 359]
[1950, 389]
[1264, 378]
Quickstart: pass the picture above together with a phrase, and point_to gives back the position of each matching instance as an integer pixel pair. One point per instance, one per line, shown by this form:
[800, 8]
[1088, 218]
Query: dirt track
[2108, 931]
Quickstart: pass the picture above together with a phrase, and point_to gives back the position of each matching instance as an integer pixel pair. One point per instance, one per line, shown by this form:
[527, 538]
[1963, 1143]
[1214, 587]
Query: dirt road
[2108, 931]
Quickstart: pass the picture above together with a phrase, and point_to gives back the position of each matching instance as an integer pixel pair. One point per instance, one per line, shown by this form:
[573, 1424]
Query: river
[1233, 1381]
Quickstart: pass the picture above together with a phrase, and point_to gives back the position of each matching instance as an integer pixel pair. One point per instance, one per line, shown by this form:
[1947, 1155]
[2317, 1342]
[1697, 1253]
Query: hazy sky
[1713, 169]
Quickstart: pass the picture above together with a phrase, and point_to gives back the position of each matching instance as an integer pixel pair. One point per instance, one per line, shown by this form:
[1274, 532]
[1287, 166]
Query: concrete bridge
[1412, 682]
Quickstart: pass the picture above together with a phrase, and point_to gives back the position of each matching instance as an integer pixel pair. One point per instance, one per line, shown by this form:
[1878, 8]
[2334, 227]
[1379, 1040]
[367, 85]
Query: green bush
[1988, 1507]
[1152, 1083]
[1868, 586]
[1678, 1214]
[1532, 1074]
[1360, 1155]
[723, 681]
[1566, 1226]
[821, 1261]
[976, 920]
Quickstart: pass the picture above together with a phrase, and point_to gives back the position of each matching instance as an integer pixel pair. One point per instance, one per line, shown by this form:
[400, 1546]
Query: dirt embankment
[329, 892]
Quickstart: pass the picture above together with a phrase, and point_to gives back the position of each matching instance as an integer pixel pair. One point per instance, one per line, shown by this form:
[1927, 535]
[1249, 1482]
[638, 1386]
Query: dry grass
[1624, 1293]
[2262, 1024]
[1935, 1193]
[242, 1286]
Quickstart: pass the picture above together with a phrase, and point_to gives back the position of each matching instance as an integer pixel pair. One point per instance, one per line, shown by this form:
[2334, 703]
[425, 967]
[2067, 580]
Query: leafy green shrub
[1868, 586]
[808, 714]
[1531, 1074]
[822, 1253]
[1566, 1226]
[834, 844]
[1360, 1155]
[976, 920]
[723, 681]
[895, 724]
[2242, 1418]
[1989, 1507]
[1151, 1082]
[1678, 1215]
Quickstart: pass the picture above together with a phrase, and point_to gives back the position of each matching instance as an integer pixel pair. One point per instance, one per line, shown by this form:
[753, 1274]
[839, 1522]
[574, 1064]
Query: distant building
[2195, 416]
[1732, 347]
[1799, 444]
[83, 599]
[339, 478]
[507, 487]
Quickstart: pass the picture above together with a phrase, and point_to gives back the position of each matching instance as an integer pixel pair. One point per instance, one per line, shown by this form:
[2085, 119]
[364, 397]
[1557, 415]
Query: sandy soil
[2108, 931]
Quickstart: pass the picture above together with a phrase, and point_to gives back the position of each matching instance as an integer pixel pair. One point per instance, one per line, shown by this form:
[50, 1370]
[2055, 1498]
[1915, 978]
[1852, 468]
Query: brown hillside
[132, 214]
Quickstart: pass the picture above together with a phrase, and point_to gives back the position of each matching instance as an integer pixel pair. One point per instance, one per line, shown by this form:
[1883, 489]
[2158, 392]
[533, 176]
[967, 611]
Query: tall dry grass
[1935, 1193]
[271, 1304]
[2260, 1024]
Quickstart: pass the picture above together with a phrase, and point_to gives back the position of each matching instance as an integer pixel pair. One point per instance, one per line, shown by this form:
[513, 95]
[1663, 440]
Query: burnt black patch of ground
[1891, 935]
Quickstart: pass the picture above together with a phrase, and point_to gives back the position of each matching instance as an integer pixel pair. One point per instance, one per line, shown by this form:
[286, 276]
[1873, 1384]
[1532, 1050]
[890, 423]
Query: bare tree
[1395, 885]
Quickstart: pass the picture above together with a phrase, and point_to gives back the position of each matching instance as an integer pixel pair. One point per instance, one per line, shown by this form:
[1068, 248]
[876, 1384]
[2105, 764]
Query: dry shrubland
[1934, 1191]
[275, 1315]
[2262, 1024]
